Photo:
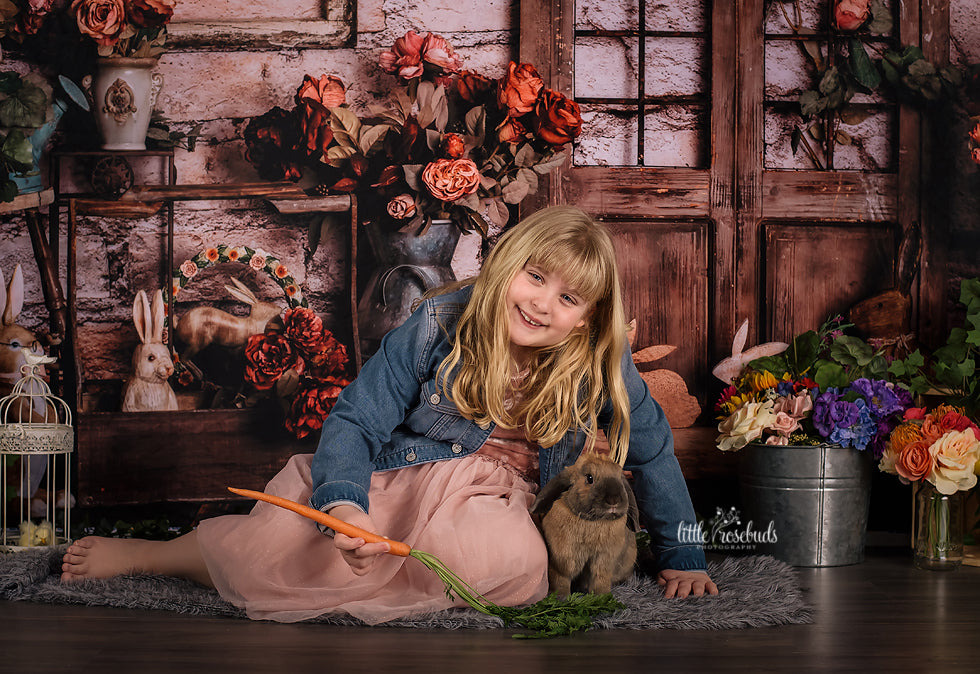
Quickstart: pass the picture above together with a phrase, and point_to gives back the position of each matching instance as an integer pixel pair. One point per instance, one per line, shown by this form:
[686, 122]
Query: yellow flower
[759, 381]
[904, 435]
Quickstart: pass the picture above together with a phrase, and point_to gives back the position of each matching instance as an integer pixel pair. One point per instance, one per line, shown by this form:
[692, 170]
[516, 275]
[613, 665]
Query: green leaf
[372, 138]
[812, 103]
[17, 150]
[911, 54]
[828, 374]
[830, 82]
[8, 190]
[525, 155]
[557, 160]
[515, 191]
[530, 177]
[27, 107]
[412, 175]
[10, 82]
[970, 295]
[794, 140]
[862, 68]
[852, 115]
[346, 120]
[890, 71]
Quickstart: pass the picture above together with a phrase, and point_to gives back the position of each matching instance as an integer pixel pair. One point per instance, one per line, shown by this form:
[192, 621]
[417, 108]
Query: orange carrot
[397, 547]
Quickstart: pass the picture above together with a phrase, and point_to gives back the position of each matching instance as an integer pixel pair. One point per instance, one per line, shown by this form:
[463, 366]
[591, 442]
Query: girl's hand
[360, 555]
[683, 583]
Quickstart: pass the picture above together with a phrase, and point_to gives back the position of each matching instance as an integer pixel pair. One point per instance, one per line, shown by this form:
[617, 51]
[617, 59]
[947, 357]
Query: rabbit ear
[156, 311]
[15, 297]
[633, 514]
[141, 316]
[551, 492]
[241, 292]
[741, 335]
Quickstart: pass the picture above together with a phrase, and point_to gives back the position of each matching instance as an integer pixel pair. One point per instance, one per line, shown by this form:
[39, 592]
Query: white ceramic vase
[124, 91]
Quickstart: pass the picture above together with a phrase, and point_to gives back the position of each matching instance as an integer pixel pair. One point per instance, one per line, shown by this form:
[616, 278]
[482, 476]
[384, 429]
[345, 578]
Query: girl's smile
[542, 310]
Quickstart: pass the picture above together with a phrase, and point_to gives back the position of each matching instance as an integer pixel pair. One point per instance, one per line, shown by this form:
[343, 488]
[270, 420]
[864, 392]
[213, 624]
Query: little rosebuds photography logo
[726, 532]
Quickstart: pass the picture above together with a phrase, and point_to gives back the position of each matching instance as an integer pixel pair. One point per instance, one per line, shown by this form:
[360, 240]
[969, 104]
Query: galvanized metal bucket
[815, 497]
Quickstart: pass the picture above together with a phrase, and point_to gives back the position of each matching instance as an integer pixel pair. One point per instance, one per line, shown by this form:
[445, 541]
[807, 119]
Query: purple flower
[881, 397]
[858, 433]
[830, 412]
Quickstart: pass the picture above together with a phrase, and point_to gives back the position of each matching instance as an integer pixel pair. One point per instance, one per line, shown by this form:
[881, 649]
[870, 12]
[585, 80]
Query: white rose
[745, 425]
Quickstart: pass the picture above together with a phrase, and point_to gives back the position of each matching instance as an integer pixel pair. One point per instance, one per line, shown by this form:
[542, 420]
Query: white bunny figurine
[147, 389]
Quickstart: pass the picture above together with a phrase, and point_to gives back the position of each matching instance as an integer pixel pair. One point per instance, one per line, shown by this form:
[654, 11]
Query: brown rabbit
[589, 524]
[202, 326]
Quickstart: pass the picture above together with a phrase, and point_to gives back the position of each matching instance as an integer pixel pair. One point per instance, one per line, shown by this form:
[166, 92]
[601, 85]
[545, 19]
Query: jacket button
[410, 456]
[434, 398]
[457, 448]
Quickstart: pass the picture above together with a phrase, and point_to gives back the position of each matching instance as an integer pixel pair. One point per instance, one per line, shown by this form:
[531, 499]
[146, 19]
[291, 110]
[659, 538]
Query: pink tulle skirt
[472, 513]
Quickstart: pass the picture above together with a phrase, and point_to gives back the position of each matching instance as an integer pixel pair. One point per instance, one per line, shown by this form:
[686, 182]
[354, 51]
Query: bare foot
[96, 557]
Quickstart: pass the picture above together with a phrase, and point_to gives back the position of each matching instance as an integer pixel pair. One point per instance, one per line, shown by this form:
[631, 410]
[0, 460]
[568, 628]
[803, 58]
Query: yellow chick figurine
[34, 535]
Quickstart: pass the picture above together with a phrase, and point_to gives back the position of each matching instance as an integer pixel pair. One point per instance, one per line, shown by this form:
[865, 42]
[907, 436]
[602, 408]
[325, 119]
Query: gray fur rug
[755, 592]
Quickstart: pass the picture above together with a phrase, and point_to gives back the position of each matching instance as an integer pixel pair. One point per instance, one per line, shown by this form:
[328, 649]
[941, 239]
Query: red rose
[451, 179]
[269, 143]
[267, 357]
[519, 88]
[473, 87]
[453, 146]
[328, 91]
[151, 13]
[851, 14]
[312, 404]
[304, 329]
[557, 119]
[315, 133]
[405, 57]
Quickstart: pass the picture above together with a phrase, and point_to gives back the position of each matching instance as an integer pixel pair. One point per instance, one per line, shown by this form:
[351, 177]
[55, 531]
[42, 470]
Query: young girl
[486, 392]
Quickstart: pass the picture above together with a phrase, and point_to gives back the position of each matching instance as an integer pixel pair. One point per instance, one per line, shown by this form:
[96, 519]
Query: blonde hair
[568, 382]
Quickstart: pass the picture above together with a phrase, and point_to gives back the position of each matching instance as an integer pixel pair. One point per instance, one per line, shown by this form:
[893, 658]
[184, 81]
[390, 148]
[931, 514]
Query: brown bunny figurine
[589, 524]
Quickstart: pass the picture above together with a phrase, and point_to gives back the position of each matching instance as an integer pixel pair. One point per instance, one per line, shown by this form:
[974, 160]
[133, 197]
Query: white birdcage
[36, 441]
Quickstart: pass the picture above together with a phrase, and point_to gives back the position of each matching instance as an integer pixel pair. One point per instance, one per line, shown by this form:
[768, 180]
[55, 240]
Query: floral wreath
[256, 258]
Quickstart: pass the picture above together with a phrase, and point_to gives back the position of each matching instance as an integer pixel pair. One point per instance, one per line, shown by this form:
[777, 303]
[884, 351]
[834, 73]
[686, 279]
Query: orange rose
[851, 14]
[557, 119]
[405, 57]
[328, 91]
[915, 461]
[519, 88]
[453, 146]
[931, 430]
[474, 87]
[451, 179]
[511, 131]
[103, 20]
[151, 13]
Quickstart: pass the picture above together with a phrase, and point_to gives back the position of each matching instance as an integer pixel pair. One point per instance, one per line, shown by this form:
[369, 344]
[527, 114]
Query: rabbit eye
[151, 358]
[589, 479]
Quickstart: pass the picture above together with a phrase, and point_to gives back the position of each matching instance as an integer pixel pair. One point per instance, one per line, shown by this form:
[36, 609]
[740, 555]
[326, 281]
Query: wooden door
[727, 224]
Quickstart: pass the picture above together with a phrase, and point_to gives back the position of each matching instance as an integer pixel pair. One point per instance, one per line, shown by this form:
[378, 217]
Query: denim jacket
[392, 415]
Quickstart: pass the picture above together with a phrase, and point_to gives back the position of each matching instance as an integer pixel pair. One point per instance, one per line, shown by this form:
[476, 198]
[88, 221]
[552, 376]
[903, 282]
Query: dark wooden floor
[882, 615]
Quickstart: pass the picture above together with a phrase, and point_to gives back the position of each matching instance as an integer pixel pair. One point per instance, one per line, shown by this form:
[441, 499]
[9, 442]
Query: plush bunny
[589, 524]
[147, 389]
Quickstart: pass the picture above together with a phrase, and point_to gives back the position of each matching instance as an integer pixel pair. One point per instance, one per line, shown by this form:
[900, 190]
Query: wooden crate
[193, 455]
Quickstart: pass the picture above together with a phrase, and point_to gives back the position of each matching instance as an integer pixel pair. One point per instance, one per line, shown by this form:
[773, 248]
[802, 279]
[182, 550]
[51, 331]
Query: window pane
[611, 67]
[675, 136]
[608, 137]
